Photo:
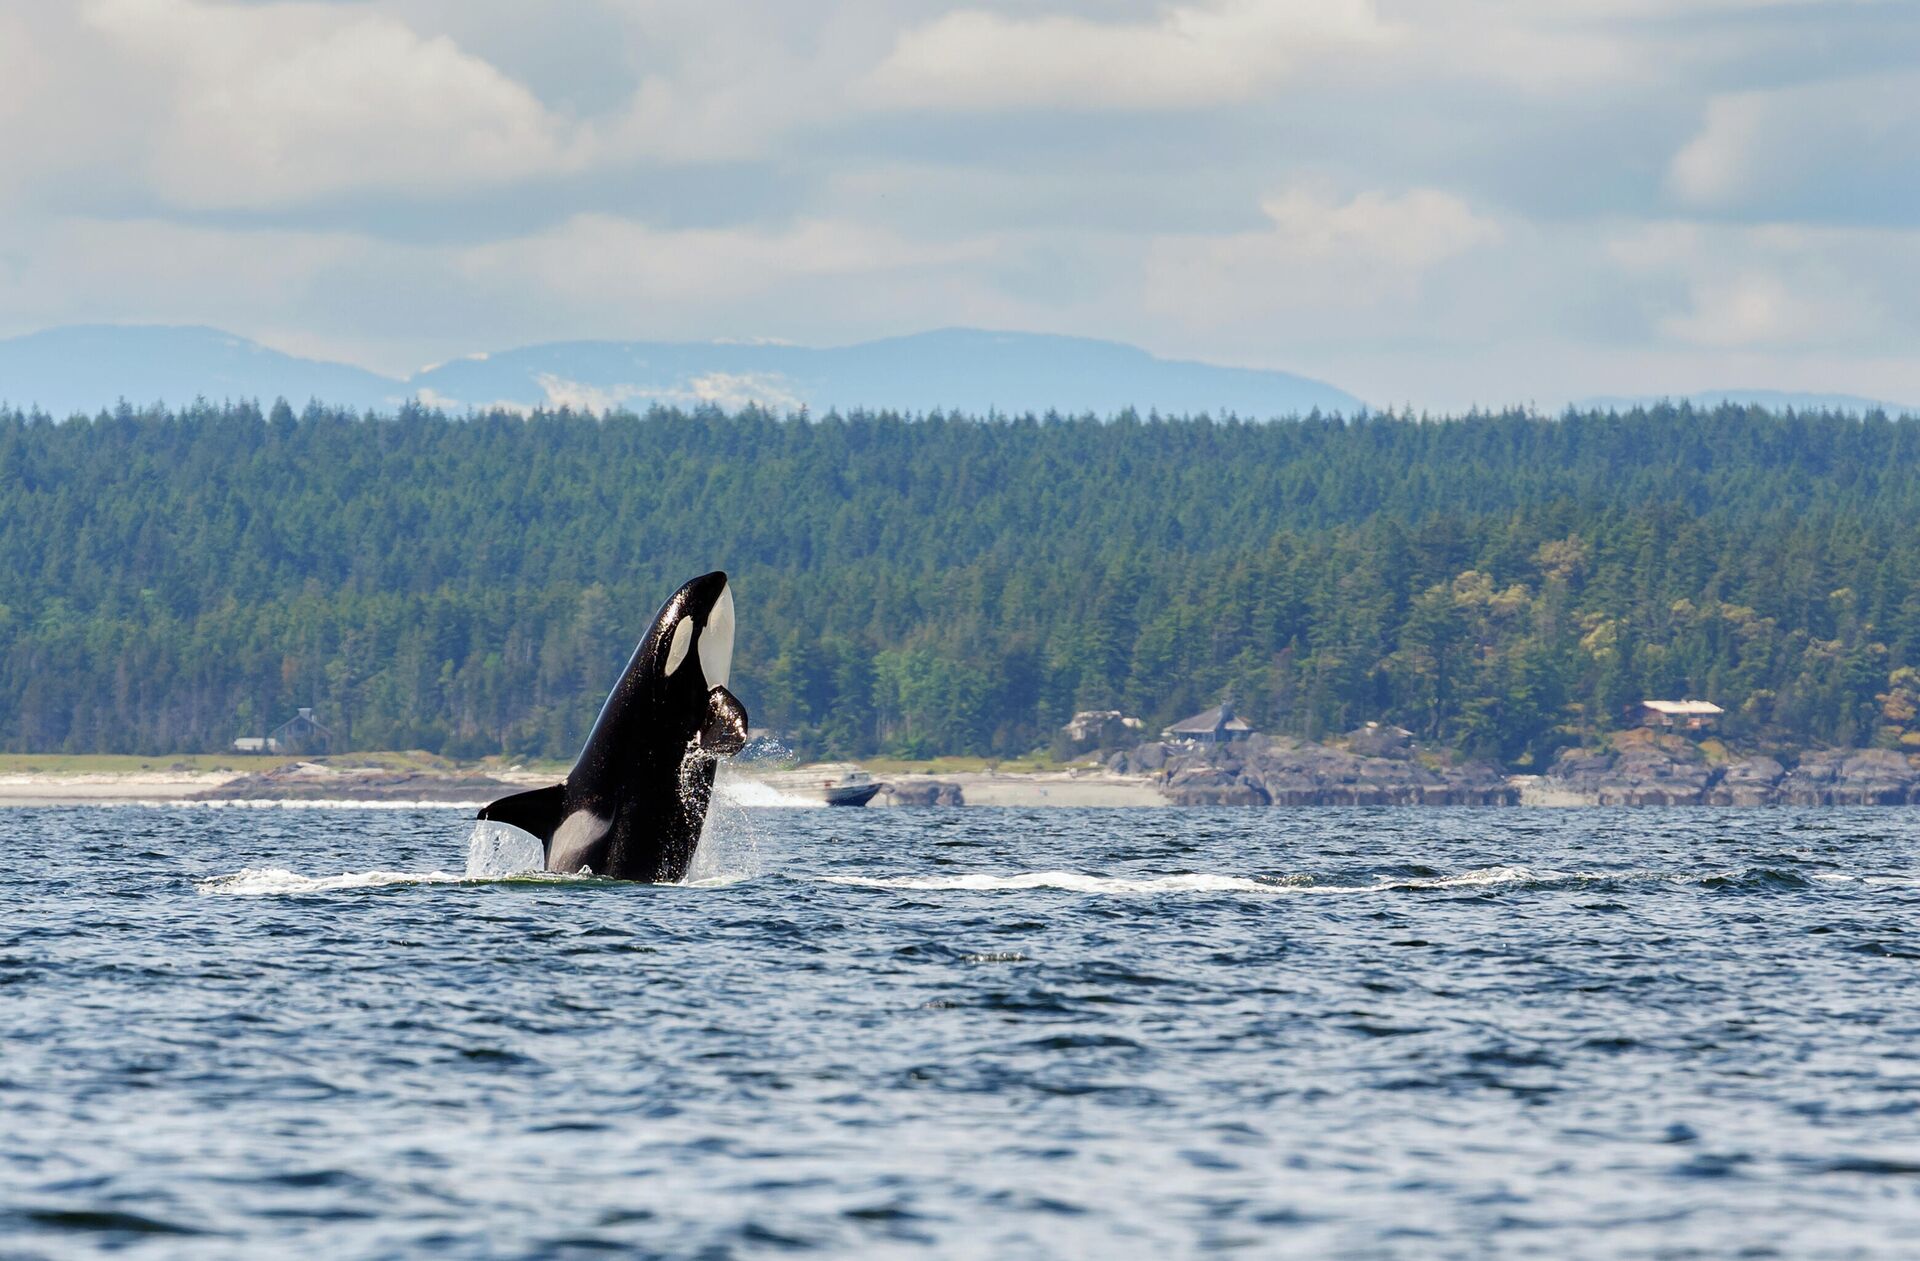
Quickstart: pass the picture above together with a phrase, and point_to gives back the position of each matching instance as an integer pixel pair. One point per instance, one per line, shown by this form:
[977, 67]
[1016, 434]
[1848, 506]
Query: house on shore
[1210, 726]
[301, 733]
[1680, 715]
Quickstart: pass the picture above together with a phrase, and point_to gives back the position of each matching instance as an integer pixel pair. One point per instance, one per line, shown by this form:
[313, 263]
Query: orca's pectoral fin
[725, 730]
[537, 812]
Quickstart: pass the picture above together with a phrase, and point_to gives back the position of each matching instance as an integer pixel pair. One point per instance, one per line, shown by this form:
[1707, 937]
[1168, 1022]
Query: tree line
[1501, 583]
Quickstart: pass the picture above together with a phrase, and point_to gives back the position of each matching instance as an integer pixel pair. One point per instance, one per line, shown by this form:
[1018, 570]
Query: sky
[1438, 203]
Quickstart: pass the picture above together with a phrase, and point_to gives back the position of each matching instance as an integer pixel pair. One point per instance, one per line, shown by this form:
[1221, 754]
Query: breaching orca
[633, 805]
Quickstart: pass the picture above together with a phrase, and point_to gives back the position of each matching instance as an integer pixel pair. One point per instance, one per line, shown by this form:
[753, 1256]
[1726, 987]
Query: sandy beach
[107, 788]
[1048, 788]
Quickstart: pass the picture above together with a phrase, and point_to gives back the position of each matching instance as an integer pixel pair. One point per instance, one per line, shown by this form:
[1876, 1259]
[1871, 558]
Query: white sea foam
[1301, 885]
[1069, 880]
[262, 881]
[1190, 882]
[269, 804]
[1892, 882]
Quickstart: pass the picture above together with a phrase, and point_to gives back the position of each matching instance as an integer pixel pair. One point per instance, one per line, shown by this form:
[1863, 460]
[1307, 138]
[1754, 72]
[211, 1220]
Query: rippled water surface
[991, 1033]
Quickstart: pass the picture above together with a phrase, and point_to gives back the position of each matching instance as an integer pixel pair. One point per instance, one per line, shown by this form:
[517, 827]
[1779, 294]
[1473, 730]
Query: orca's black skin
[633, 805]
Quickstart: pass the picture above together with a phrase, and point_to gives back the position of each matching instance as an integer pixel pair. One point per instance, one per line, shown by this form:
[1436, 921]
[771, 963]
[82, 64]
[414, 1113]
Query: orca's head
[691, 643]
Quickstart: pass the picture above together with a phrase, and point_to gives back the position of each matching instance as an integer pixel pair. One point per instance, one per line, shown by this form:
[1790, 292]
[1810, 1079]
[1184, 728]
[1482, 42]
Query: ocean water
[966, 1033]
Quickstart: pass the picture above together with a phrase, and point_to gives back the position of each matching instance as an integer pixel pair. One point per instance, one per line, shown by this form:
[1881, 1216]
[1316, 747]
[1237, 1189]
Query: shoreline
[343, 787]
[106, 788]
[1065, 789]
[1028, 789]
[382, 783]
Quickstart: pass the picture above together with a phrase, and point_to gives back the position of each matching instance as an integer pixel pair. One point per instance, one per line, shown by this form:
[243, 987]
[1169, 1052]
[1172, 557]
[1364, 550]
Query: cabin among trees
[1680, 715]
[1211, 726]
[301, 733]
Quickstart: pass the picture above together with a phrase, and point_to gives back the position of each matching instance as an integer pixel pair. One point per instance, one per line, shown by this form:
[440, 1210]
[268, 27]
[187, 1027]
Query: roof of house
[1684, 708]
[1209, 720]
[302, 720]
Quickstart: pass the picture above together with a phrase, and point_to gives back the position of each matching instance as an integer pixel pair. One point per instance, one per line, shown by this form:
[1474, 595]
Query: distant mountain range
[85, 368]
[88, 367]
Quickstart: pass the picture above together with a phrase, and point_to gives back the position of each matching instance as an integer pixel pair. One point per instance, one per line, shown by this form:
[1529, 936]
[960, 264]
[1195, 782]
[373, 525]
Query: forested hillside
[1500, 583]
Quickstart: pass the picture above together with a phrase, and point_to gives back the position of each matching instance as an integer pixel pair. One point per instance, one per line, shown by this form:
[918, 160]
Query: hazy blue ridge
[83, 369]
[1772, 400]
[952, 369]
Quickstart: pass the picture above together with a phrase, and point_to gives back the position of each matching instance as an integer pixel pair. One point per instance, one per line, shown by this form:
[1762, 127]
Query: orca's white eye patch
[716, 640]
[682, 640]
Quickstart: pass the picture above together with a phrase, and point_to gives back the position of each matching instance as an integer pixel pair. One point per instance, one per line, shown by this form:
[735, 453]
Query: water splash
[495, 849]
[729, 842]
[759, 795]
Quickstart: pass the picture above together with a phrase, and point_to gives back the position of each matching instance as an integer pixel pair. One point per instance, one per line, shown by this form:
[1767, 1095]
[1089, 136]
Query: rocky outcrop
[1851, 777]
[318, 781]
[1643, 774]
[1747, 783]
[1378, 767]
[925, 792]
[1671, 772]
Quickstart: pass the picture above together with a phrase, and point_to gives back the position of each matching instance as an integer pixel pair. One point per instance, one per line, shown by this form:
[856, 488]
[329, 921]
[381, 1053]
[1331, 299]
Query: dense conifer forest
[1500, 583]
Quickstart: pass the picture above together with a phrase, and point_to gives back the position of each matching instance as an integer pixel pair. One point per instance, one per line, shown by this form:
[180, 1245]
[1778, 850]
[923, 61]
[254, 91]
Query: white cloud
[728, 390]
[65, 122]
[303, 291]
[1779, 287]
[393, 181]
[1319, 252]
[707, 91]
[1714, 165]
[152, 269]
[266, 105]
[737, 389]
[1751, 309]
[605, 258]
[1821, 144]
[1190, 55]
[433, 398]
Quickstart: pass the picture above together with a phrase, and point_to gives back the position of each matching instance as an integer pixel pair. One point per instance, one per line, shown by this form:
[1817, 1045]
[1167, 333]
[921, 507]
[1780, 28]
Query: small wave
[1069, 880]
[263, 803]
[1754, 879]
[1078, 882]
[1477, 878]
[1888, 882]
[255, 881]
[278, 881]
